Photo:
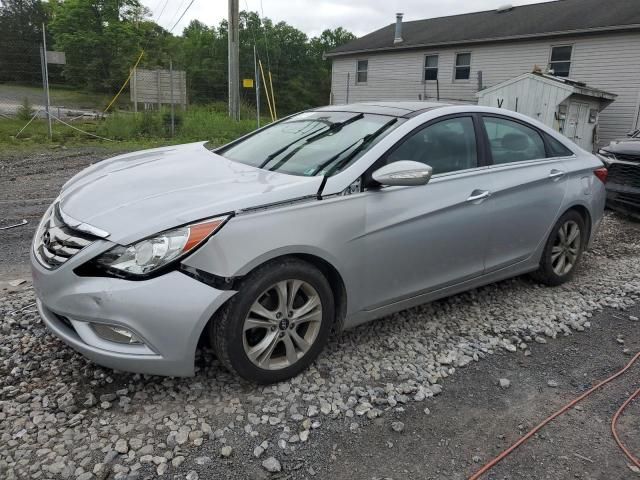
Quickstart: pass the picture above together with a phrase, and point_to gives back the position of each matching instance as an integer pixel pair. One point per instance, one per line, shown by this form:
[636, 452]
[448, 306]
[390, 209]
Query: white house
[595, 42]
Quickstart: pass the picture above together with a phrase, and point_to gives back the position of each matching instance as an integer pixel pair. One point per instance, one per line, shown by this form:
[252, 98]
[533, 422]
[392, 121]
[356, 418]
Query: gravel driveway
[63, 417]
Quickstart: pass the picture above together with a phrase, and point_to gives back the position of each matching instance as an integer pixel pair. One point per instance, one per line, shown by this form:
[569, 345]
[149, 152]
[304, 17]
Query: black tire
[546, 273]
[226, 330]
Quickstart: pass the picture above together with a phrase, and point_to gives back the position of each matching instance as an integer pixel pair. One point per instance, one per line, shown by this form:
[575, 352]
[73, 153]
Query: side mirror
[403, 173]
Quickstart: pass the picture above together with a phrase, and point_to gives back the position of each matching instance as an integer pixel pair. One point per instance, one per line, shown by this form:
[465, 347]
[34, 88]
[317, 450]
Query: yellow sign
[247, 82]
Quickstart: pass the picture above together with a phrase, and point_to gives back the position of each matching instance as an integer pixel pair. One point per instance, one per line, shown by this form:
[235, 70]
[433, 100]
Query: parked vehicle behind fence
[319, 222]
[622, 157]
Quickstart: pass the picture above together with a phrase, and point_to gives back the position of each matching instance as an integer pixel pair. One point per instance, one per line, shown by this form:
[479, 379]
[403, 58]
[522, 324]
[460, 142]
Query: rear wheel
[563, 250]
[276, 324]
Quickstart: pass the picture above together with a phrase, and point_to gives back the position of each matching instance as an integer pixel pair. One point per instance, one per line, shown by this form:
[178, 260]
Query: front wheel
[563, 250]
[276, 324]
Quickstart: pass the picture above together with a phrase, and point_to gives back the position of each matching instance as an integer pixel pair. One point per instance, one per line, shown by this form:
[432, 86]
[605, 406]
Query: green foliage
[102, 40]
[199, 123]
[25, 111]
[20, 38]
[141, 130]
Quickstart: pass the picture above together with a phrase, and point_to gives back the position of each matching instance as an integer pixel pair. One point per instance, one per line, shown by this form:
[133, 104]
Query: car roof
[395, 109]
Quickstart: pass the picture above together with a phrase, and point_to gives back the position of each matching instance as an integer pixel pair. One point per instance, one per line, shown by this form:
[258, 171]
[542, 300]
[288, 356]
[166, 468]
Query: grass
[60, 96]
[130, 130]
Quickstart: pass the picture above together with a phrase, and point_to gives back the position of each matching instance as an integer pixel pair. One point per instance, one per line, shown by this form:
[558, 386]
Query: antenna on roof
[504, 8]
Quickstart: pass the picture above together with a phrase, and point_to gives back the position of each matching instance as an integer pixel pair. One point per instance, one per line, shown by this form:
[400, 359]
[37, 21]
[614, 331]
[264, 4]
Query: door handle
[556, 174]
[479, 195]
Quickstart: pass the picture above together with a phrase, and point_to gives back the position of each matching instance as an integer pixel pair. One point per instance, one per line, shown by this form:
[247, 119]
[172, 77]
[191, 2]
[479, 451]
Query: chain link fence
[158, 98]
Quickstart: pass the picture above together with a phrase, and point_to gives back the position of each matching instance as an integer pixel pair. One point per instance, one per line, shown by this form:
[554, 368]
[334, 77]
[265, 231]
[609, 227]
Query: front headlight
[606, 155]
[152, 254]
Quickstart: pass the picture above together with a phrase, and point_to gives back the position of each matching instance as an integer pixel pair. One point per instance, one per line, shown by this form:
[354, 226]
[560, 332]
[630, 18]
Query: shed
[566, 105]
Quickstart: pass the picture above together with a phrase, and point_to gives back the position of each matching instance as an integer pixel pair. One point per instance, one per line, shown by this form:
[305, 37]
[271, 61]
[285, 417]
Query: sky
[314, 16]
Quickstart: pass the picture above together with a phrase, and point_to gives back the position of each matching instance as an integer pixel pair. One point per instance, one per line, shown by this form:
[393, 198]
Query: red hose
[631, 457]
[569, 405]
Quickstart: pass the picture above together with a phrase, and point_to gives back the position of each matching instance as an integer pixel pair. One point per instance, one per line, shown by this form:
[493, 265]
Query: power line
[177, 11]
[266, 40]
[185, 11]
[162, 10]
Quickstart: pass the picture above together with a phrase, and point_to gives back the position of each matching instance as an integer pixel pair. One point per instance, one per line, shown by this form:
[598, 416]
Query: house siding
[609, 62]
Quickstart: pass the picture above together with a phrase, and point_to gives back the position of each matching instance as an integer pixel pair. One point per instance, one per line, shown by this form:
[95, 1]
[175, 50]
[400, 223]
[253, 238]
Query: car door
[528, 187]
[419, 239]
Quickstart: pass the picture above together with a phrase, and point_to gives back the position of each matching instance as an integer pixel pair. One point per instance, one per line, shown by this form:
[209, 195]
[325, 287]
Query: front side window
[446, 146]
[463, 66]
[362, 71]
[312, 143]
[561, 60]
[512, 141]
[431, 67]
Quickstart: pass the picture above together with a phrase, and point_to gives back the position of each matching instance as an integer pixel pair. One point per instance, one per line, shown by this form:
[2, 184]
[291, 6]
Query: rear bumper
[168, 313]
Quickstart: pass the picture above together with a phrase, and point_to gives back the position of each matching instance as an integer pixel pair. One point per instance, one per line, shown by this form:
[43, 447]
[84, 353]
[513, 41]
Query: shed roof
[560, 17]
[567, 84]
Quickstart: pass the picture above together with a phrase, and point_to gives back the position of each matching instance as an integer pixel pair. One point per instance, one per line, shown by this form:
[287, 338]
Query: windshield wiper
[366, 141]
[286, 147]
[335, 127]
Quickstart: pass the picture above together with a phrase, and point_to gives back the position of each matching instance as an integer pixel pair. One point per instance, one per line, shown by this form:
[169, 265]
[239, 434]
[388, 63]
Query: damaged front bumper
[163, 317]
[623, 186]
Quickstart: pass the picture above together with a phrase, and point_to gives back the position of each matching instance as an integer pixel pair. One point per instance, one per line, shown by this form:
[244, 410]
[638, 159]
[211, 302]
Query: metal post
[257, 80]
[234, 60]
[173, 128]
[348, 82]
[158, 90]
[134, 87]
[45, 80]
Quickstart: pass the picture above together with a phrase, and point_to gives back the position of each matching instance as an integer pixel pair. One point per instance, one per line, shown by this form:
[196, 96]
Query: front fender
[330, 229]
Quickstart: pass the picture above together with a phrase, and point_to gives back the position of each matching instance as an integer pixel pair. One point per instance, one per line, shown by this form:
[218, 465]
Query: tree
[20, 39]
[102, 39]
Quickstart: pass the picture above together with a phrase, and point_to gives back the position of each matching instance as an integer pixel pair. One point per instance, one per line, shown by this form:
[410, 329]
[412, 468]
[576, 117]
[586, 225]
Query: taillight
[601, 173]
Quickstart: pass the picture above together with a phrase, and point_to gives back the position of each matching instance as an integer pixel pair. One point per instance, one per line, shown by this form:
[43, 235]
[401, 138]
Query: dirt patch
[475, 417]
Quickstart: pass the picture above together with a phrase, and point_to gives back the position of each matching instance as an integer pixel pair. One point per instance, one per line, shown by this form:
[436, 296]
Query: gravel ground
[63, 417]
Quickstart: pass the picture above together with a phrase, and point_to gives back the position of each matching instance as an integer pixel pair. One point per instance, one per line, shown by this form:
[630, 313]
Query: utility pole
[234, 60]
[45, 79]
[257, 80]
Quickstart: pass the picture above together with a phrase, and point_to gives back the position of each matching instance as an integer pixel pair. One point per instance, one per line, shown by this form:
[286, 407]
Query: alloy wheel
[282, 324]
[566, 247]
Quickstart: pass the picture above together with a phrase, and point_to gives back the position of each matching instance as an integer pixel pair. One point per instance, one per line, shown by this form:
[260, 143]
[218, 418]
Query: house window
[463, 66]
[561, 60]
[431, 67]
[361, 71]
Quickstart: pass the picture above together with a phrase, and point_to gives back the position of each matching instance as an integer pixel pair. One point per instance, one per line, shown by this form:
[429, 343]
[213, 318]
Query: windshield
[312, 143]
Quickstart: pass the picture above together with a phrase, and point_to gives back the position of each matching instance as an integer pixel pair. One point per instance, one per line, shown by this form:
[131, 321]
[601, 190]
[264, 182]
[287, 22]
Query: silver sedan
[319, 222]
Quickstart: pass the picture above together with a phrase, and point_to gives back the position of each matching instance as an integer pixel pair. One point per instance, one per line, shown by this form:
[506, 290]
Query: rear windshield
[312, 143]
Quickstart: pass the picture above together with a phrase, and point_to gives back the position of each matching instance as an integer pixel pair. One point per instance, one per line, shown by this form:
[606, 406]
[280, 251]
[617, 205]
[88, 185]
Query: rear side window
[512, 141]
[556, 149]
[446, 146]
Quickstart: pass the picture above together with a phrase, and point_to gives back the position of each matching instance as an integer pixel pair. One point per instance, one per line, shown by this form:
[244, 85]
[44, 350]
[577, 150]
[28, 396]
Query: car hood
[135, 195]
[624, 146]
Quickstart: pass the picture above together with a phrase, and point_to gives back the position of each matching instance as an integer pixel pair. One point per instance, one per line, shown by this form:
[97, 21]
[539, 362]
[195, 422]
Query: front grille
[624, 174]
[56, 242]
[628, 157]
